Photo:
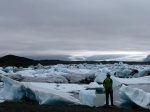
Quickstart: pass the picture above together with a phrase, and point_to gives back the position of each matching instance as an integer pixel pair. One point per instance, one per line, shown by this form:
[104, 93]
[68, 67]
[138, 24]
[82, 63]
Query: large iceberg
[17, 91]
[133, 96]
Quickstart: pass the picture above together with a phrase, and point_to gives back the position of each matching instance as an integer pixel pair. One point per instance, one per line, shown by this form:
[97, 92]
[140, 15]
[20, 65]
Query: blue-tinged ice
[87, 97]
[17, 91]
[136, 96]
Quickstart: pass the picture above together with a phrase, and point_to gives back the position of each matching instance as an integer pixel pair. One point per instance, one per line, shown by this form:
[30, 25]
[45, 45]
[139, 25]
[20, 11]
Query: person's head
[108, 75]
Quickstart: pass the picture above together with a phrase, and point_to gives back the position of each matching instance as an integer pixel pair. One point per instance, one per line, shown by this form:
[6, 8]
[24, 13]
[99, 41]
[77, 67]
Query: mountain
[12, 60]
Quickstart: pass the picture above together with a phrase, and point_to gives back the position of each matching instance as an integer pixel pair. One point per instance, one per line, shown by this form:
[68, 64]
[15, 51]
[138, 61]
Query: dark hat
[108, 74]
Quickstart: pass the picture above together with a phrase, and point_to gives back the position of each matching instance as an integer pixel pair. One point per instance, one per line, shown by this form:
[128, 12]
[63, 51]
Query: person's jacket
[108, 84]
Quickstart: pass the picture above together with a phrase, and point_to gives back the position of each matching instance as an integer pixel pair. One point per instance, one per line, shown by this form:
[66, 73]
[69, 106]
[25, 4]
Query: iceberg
[26, 72]
[95, 86]
[80, 78]
[9, 69]
[17, 91]
[136, 96]
[2, 72]
[49, 96]
[67, 88]
[123, 73]
[86, 97]
[118, 81]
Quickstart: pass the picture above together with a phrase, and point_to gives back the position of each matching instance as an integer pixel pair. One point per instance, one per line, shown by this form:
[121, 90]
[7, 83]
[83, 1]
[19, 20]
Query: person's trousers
[109, 93]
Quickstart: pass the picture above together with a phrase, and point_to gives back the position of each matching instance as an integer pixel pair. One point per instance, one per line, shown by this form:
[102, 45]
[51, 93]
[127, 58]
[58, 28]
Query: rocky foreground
[34, 107]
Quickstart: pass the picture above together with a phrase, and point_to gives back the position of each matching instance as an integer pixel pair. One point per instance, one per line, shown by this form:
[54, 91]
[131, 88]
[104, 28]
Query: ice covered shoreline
[44, 84]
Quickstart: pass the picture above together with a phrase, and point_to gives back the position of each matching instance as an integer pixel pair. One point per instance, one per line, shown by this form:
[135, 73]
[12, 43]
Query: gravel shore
[33, 107]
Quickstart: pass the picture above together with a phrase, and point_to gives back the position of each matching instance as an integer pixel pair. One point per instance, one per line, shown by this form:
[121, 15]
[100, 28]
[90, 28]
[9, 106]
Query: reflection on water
[100, 98]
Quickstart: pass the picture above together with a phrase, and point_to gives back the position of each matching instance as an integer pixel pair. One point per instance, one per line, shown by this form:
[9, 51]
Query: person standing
[108, 83]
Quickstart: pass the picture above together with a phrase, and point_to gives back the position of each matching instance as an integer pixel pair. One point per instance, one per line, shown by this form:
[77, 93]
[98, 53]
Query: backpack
[108, 84]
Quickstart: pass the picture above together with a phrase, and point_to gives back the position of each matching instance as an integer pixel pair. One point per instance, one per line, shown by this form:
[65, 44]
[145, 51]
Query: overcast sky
[74, 27]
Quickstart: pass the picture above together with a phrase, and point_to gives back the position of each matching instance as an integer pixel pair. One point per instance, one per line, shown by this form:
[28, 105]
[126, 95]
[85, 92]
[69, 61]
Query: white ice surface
[135, 95]
[62, 87]
[47, 93]
[16, 91]
[94, 85]
[52, 71]
[140, 80]
[27, 72]
[86, 97]
[69, 88]
[2, 72]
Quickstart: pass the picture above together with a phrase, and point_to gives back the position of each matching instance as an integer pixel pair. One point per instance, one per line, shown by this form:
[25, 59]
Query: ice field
[76, 84]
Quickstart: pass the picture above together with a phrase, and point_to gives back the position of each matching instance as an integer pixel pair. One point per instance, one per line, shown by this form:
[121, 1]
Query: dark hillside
[12, 60]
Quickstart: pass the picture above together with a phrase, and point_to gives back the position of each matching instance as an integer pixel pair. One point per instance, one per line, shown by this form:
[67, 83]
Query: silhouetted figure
[108, 83]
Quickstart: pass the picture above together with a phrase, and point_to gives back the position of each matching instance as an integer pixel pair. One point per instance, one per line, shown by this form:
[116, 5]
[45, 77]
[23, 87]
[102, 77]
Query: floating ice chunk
[49, 96]
[80, 78]
[74, 71]
[27, 72]
[8, 69]
[100, 78]
[105, 70]
[135, 95]
[2, 72]
[12, 90]
[123, 73]
[16, 91]
[67, 88]
[48, 79]
[39, 66]
[143, 73]
[1, 68]
[86, 97]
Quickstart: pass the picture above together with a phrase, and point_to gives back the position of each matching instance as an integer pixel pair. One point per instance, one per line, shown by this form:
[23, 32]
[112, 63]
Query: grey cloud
[34, 26]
